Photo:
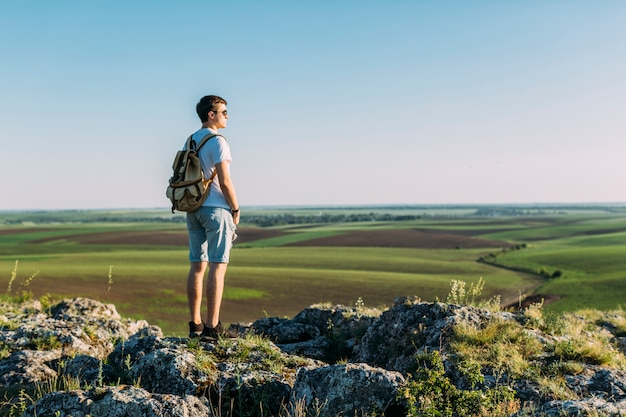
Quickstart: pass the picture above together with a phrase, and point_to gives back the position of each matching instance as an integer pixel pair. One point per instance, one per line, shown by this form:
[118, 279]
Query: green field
[138, 261]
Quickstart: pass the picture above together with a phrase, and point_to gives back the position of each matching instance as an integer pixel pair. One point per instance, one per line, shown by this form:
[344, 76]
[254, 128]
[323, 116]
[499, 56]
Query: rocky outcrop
[118, 401]
[80, 358]
[348, 389]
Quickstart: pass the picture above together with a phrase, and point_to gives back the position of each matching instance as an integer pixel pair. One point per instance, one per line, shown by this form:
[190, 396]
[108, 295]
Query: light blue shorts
[211, 234]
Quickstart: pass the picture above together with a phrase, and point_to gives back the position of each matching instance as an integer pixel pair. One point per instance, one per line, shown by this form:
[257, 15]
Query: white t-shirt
[214, 151]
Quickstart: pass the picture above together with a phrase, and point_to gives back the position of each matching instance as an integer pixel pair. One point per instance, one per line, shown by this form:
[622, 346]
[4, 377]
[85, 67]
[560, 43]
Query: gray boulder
[88, 371]
[350, 389]
[120, 401]
[409, 327]
[27, 367]
[170, 371]
[77, 326]
[326, 333]
[130, 350]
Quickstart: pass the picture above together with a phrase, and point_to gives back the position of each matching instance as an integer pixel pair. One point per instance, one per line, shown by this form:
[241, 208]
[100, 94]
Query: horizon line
[340, 206]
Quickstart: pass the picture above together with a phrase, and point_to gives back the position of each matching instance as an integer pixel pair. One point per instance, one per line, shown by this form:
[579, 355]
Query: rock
[170, 371]
[89, 371]
[327, 360]
[71, 309]
[214, 370]
[252, 374]
[285, 331]
[137, 345]
[252, 393]
[121, 401]
[320, 332]
[350, 389]
[26, 367]
[42, 344]
[78, 326]
[392, 341]
[584, 407]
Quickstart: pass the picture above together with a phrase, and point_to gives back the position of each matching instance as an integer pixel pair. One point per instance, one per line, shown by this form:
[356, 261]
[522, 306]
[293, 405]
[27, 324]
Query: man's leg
[214, 292]
[194, 290]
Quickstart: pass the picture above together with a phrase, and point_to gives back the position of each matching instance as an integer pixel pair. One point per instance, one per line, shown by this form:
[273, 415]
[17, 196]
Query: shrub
[502, 345]
[49, 342]
[460, 295]
[429, 393]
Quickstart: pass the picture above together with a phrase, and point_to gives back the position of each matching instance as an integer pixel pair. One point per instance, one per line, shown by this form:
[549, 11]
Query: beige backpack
[188, 188]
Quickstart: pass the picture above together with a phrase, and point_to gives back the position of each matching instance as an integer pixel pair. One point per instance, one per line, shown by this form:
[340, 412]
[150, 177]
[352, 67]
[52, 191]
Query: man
[212, 227]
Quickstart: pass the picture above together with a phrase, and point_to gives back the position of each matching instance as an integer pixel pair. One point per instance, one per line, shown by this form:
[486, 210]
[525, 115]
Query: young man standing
[212, 227]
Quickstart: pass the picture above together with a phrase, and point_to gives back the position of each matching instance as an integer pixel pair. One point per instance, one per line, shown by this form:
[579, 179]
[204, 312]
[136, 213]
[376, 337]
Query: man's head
[209, 104]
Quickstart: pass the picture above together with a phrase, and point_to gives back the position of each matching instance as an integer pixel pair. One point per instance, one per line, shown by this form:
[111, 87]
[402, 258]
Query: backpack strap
[191, 144]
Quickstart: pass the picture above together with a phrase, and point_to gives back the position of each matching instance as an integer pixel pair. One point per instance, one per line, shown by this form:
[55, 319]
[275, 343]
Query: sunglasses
[224, 112]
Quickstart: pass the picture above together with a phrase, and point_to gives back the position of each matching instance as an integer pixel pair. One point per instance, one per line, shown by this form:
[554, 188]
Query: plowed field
[392, 238]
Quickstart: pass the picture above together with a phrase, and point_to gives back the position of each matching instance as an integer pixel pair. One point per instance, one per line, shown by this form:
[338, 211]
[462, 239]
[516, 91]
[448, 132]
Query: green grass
[593, 269]
[280, 281]
[266, 277]
[559, 227]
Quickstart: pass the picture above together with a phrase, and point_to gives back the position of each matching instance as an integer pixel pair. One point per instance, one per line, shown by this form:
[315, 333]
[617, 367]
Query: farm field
[572, 258]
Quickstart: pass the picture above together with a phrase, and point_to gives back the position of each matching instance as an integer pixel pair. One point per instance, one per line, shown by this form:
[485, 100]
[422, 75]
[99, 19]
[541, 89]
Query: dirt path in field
[405, 238]
[543, 299]
[19, 230]
[165, 237]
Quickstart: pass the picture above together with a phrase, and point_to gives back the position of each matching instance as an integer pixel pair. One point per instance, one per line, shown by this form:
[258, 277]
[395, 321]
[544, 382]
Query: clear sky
[330, 102]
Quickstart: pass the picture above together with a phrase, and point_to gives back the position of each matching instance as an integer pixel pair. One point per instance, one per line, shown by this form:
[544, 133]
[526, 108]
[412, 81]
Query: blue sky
[330, 102]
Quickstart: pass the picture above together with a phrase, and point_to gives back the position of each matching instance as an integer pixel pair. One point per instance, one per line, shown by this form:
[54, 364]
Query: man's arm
[228, 188]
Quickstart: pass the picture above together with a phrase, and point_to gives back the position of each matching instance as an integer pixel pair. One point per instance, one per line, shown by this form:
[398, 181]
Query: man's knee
[197, 267]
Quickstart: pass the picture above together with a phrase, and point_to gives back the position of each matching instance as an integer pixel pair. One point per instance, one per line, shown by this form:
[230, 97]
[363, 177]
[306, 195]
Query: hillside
[78, 357]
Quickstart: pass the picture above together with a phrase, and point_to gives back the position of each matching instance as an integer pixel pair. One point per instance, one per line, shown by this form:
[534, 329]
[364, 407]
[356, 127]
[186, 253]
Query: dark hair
[206, 104]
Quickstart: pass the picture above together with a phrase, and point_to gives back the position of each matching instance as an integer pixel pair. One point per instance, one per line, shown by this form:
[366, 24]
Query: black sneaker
[212, 334]
[195, 330]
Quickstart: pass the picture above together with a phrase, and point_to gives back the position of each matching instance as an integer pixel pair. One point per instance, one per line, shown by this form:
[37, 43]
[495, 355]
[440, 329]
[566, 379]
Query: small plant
[110, 282]
[55, 384]
[128, 366]
[457, 293]
[533, 316]
[560, 368]
[5, 352]
[23, 401]
[298, 408]
[583, 351]
[48, 342]
[13, 277]
[20, 402]
[24, 294]
[618, 320]
[502, 345]
[45, 302]
[460, 295]
[430, 393]
[90, 332]
[8, 324]
[554, 388]
[205, 362]
[585, 339]
[100, 374]
[28, 280]
[614, 321]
